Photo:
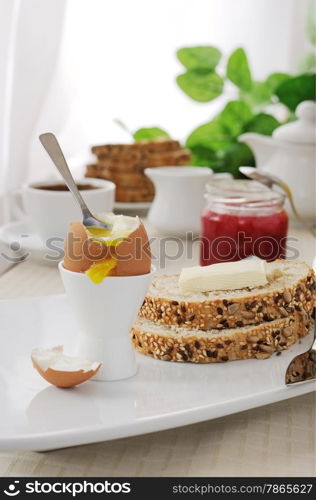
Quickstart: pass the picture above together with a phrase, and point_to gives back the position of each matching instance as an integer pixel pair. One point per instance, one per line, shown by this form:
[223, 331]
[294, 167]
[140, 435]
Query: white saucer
[162, 395]
[29, 245]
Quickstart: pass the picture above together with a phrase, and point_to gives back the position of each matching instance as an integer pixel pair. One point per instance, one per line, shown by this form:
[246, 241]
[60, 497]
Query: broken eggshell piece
[61, 370]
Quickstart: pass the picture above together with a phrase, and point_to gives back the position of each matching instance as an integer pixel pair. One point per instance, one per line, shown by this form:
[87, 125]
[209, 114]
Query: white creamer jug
[179, 198]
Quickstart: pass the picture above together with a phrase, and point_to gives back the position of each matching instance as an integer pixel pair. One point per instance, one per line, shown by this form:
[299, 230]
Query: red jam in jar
[242, 218]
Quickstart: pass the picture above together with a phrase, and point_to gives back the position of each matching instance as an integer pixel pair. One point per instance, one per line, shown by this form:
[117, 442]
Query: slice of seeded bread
[175, 158]
[137, 180]
[291, 288]
[144, 147]
[131, 166]
[123, 179]
[175, 343]
[138, 162]
[134, 194]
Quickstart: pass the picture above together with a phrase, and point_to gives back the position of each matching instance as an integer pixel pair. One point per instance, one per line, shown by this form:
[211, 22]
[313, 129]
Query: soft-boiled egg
[61, 370]
[121, 251]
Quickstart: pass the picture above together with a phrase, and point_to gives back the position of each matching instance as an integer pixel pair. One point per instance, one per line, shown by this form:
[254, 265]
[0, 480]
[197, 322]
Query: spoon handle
[53, 149]
[288, 192]
[269, 180]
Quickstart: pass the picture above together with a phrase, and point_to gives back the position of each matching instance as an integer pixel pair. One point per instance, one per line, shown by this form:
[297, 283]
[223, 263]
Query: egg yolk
[100, 270]
[97, 233]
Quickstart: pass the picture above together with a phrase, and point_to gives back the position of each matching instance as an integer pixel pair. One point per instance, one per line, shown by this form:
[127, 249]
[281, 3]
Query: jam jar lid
[242, 194]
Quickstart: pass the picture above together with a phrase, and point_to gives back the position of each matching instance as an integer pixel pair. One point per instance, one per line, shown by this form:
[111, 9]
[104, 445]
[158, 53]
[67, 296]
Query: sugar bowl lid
[302, 130]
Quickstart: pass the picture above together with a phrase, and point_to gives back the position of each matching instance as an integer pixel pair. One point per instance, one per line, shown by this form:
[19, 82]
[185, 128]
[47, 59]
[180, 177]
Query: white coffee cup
[50, 212]
[105, 313]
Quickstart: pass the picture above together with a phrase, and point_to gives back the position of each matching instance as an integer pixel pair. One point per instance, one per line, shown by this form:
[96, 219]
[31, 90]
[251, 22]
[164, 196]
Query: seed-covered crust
[140, 161]
[134, 194]
[227, 312]
[179, 344]
[126, 179]
[146, 146]
[124, 165]
[105, 166]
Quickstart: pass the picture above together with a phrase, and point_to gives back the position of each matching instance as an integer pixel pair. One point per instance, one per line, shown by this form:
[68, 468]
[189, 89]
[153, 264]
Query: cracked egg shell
[63, 378]
[132, 253]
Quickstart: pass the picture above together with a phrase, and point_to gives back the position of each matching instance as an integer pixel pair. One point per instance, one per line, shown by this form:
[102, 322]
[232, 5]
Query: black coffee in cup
[63, 187]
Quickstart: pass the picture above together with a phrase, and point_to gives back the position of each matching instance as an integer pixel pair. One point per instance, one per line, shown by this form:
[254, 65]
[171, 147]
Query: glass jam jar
[242, 218]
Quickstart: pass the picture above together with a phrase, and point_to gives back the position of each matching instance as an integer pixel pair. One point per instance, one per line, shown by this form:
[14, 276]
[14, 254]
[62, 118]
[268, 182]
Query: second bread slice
[175, 343]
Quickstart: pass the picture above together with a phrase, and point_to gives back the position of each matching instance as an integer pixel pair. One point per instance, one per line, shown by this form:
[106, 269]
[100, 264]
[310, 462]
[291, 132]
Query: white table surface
[274, 440]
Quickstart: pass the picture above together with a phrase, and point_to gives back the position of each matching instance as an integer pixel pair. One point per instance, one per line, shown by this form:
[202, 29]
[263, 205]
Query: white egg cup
[105, 314]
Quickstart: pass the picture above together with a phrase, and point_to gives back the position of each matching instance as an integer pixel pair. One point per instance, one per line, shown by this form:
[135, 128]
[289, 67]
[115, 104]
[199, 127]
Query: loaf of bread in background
[124, 164]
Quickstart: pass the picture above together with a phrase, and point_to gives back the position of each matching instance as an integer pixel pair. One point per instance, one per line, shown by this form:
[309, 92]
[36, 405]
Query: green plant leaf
[258, 96]
[237, 155]
[150, 134]
[204, 57]
[201, 87]
[234, 117]
[297, 89]
[203, 157]
[211, 135]
[275, 79]
[262, 123]
[238, 70]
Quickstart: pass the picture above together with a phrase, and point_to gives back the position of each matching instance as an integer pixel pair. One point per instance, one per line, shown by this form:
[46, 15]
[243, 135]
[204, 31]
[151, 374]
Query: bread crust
[129, 180]
[124, 164]
[259, 341]
[136, 195]
[145, 146]
[144, 160]
[239, 312]
[130, 166]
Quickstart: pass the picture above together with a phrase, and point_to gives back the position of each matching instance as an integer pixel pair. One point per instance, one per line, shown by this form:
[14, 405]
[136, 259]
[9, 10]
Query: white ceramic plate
[37, 416]
[30, 245]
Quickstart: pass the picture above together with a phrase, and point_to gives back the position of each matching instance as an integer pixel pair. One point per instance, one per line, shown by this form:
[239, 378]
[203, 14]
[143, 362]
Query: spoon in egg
[52, 147]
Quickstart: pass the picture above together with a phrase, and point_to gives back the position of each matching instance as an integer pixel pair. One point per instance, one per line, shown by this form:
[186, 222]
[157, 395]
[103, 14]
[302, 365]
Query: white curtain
[8, 21]
[30, 39]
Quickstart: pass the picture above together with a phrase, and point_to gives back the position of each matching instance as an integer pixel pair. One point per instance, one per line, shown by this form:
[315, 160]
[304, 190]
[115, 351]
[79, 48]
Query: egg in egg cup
[106, 275]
